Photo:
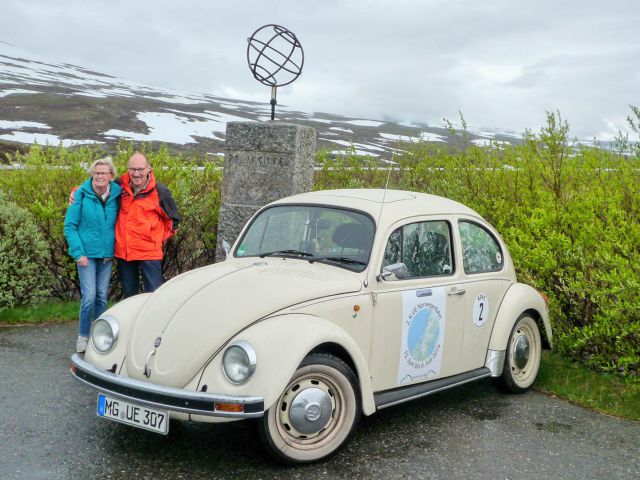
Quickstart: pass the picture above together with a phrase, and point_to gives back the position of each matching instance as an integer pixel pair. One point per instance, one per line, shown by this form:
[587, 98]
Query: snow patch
[363, 123]
[338, 129]
[15, 91]
[424, 136]
[44, 139]
[10, 125]
[177, 127]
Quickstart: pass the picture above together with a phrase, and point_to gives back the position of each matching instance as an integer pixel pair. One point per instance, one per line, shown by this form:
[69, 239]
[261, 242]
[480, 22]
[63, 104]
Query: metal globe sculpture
[275, 58]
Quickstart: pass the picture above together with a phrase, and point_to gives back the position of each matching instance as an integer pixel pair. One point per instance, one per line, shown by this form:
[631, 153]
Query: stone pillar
[262, 163]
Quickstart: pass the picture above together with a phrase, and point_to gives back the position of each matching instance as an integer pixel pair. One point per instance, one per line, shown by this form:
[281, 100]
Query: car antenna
[386, 186]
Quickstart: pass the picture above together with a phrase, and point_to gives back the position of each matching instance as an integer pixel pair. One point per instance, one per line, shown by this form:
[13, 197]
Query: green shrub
[24, 255]
[570, 216]
[46, 175]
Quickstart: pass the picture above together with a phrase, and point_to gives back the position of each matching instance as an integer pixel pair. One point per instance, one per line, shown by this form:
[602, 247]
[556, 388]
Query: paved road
[49, 430]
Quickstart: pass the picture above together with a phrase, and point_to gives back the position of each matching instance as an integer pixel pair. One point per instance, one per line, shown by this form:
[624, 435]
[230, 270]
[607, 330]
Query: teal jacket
[89, 225]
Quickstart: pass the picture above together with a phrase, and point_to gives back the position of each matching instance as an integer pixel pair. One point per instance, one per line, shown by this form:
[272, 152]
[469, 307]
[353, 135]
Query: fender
[278, 357]
[518, 299]
[125, 312]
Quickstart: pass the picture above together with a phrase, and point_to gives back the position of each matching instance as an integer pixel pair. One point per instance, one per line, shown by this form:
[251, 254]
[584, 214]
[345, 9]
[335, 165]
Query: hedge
[570, 215]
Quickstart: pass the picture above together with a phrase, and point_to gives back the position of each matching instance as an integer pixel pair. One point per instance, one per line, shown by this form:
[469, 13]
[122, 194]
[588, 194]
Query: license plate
[132, 414]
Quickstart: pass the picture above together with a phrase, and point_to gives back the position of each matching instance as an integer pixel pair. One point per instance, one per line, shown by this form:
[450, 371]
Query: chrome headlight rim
[113, 325]
[251, 361]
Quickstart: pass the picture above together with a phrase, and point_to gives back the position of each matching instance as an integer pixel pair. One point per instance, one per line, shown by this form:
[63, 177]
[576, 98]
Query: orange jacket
[145, 221]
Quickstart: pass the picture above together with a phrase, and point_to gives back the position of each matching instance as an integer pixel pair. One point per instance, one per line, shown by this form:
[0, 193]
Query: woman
[89, 227]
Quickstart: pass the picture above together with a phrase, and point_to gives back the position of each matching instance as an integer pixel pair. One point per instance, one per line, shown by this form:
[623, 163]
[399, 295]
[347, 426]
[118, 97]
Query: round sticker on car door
[480, 310]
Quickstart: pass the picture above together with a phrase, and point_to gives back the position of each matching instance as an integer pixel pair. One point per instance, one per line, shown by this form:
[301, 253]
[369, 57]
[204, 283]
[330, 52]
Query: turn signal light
[230, 407]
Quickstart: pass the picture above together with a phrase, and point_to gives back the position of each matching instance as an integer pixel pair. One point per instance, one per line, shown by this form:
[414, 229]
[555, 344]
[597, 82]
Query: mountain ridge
[65, 104]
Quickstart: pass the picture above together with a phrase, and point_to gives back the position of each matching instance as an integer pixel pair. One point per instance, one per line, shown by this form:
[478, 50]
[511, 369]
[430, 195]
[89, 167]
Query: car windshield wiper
[298, 253]
[346, 260]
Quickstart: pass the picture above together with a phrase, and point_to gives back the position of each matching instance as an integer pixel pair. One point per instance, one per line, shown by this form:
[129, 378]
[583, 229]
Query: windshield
[312, 233]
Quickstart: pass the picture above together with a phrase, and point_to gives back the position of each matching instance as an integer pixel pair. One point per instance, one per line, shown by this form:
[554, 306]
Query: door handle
[455, 291]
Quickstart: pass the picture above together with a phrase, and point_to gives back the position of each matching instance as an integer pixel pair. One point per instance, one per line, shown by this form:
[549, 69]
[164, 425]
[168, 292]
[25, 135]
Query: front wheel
[522, 360]
[315, 414]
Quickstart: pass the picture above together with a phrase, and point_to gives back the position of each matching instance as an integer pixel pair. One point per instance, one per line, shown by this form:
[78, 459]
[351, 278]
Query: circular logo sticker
[480, 310]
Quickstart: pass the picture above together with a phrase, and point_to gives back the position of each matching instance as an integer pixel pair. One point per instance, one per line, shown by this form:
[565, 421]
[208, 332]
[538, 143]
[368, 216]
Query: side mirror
[395, 271]
[227, 248]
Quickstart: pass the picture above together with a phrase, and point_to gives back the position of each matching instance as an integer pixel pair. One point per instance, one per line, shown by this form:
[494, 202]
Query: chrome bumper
[168, 398]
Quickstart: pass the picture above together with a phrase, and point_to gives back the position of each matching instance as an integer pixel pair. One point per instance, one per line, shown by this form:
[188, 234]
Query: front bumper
[168, 398]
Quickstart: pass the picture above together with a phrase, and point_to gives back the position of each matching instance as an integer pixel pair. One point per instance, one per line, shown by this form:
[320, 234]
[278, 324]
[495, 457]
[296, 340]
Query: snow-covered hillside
[65, 104]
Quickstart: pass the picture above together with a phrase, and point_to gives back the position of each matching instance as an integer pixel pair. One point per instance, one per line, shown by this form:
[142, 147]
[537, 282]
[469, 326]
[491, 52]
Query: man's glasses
[137, 170]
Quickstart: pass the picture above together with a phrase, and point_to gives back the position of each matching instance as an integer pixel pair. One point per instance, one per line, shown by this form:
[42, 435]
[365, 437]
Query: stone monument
[265, 161]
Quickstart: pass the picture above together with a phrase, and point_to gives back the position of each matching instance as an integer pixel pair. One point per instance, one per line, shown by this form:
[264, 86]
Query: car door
[417, 315]
[485, 283]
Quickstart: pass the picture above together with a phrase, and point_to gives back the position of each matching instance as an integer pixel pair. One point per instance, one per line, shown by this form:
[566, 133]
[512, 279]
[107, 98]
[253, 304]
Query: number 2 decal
[480, 310]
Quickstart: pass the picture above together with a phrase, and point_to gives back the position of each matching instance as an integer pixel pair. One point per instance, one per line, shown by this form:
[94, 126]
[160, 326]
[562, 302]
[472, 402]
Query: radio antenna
[386, 186]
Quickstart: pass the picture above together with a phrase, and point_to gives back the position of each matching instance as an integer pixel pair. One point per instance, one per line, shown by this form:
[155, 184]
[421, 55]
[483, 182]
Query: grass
[53, 311]
[603, 392]
[558, 375]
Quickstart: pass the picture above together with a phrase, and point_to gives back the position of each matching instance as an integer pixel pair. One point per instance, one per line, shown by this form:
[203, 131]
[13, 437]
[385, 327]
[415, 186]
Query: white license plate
[132, 414]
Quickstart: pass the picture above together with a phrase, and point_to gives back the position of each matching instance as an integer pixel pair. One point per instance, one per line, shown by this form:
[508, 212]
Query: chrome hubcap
[310, 410]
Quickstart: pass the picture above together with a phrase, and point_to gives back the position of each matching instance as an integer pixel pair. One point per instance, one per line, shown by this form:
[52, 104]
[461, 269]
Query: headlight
[104, 333]
[239, 362]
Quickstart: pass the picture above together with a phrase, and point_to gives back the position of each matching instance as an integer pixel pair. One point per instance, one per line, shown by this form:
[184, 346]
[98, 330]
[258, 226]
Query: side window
[480, 250]
[424, 247]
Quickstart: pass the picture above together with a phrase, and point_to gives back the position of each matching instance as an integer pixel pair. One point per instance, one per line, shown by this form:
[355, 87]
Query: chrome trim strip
[158, 396]
[411, 392]
[495, 361]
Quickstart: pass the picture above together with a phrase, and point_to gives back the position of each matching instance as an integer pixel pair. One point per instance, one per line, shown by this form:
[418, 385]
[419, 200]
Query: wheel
[522, 360]
[315, 414]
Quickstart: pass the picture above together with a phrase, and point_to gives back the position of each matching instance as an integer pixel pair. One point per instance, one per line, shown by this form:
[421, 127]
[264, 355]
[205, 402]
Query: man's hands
[72, 196]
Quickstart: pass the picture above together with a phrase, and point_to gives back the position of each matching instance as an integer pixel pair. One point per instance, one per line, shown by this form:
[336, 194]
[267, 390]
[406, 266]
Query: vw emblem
[313, 412]
[157, 342]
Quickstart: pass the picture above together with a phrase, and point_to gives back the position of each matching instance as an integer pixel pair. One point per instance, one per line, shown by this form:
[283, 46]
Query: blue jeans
[130, 275]
[94, 287]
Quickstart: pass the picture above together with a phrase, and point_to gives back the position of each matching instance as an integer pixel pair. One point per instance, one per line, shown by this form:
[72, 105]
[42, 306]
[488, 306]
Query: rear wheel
[315, 414]
[522, 360]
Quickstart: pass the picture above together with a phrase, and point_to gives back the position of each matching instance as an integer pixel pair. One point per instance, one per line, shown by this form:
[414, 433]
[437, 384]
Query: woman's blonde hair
[103, 161]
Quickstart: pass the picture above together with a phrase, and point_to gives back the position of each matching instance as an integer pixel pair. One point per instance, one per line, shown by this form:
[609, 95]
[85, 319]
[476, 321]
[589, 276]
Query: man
[148, 217]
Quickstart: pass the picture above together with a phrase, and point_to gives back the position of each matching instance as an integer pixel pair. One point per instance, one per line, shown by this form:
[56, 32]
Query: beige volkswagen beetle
[329, 305]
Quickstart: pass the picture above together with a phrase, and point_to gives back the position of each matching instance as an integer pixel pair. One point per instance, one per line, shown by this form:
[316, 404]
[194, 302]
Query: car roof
[397, 203]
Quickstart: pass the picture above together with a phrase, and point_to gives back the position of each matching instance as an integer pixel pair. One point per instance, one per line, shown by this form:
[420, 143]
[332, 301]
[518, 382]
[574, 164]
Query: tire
[328, 390]
[522, 360]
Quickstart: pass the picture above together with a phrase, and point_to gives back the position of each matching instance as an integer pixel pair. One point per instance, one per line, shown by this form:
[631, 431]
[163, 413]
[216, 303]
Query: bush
[23, 257]
[569, 214]
[46, 175]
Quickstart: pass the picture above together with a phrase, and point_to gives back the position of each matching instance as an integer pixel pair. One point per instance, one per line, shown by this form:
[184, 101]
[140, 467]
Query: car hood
[190, 317]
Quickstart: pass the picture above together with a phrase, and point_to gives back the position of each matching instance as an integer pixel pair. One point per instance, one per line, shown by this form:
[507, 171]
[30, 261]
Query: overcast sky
[502, 63]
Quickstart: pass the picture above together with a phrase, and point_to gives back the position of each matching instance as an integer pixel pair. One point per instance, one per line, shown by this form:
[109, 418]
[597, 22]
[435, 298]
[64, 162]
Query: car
[330, 305]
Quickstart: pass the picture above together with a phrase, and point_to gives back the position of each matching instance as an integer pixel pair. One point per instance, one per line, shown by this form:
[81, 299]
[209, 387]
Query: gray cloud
[501, 63]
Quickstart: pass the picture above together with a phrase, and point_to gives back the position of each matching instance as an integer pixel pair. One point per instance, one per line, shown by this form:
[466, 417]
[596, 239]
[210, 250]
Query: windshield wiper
[346, 260]
[299, 253]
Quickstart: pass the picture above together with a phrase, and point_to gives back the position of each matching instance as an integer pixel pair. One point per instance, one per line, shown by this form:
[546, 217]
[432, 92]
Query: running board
[411, 392]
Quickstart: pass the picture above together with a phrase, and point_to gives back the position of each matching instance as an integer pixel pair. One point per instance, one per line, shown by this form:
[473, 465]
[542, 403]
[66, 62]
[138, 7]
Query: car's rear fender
[519, 299]
[281, 343]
